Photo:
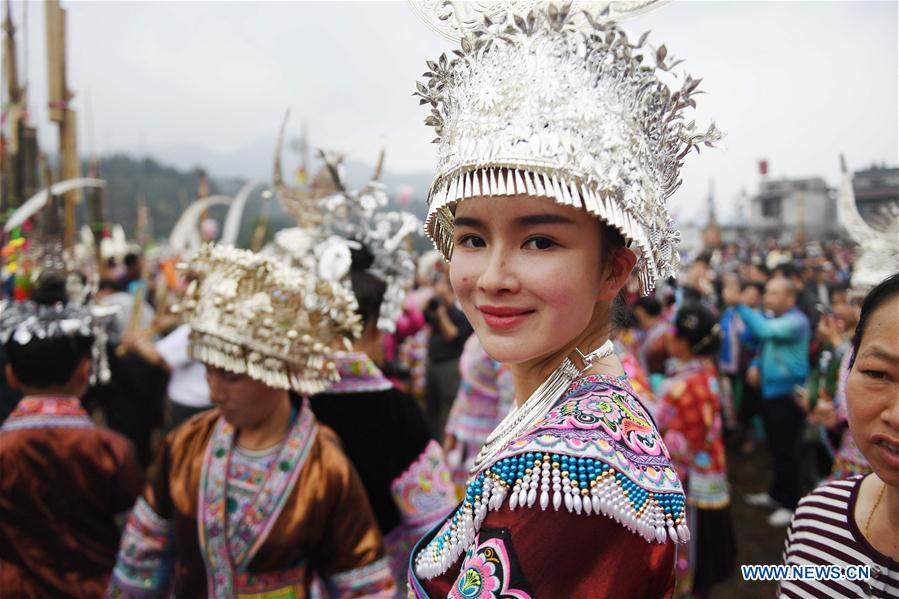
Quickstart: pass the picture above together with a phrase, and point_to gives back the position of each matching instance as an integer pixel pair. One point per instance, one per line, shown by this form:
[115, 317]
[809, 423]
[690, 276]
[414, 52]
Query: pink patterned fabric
[849, 460]
[424, 495]
[485, 573]
[47, 412]
[486, 395]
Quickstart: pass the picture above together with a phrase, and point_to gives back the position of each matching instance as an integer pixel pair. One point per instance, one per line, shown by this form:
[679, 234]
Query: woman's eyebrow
[544, 219]
[467, 221]
[879, 352]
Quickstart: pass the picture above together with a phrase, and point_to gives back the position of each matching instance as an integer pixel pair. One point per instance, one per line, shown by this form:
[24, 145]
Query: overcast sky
[794, 82]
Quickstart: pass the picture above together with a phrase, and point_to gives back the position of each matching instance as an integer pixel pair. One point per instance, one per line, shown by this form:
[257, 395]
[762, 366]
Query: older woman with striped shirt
[855, 521]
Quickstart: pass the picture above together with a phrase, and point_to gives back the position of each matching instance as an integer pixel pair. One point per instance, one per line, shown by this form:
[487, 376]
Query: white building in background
[791, 208]
[877, 195]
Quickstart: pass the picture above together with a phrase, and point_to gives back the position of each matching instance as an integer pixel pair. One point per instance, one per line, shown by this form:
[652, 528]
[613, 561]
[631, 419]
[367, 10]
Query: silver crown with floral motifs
[562, 105]
[251, 314]
[354, 219]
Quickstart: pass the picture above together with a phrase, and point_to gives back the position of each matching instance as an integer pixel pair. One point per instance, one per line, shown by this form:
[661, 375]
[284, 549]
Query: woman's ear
[11, 379]
[617, 269]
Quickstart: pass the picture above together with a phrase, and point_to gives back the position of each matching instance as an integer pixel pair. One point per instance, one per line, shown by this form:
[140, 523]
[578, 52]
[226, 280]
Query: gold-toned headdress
[250, 314]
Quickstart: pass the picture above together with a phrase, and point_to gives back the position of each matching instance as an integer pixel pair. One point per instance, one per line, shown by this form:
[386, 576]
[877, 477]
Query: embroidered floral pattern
[358, 374]
[373, 580]
[689, 413]
[485, 573]
[146, 555]
[47, 412]
[424, 493]
[285, 584]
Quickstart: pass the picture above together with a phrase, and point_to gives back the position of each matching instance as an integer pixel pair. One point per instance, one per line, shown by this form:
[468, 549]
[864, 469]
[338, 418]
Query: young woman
[556, 149]
[254, 498]
[855, 521]
[689, 417]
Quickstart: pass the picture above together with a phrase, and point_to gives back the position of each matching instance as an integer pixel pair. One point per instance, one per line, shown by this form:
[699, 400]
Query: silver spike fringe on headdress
[250, 314]
[878, 251]
[540, 105]
[23, 322]
[350, 219]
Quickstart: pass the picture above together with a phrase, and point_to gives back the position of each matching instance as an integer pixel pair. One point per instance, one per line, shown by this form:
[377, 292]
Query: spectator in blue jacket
[784, 338]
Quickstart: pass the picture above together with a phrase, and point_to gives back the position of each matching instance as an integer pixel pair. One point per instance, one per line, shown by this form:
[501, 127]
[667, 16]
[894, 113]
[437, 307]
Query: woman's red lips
[503, 311]
[500, 318]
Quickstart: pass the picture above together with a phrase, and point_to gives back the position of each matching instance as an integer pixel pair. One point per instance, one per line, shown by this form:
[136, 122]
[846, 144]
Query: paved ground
[757, 543]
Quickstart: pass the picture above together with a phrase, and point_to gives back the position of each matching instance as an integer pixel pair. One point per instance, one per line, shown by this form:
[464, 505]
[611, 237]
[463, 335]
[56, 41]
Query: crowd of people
[542, 407]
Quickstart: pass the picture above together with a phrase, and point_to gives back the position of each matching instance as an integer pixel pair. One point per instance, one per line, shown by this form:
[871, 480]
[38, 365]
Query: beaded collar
[597, 452]
[44, 411]
[358, 374]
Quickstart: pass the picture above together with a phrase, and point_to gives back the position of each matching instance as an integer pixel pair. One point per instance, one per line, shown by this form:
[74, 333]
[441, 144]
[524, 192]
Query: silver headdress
[878, 252]
[23, 322]
[348, 220]
[255, 315]
[561, 105]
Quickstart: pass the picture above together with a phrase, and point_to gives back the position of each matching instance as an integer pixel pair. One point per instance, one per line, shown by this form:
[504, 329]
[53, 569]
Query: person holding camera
[449, 331]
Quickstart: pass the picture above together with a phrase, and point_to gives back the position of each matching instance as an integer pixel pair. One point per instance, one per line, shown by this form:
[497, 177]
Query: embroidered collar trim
[358, 374]
[227, 553]
[596, 452]
[39, 411]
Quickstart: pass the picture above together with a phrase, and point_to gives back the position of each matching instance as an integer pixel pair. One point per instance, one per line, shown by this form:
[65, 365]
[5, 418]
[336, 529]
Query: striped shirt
[824, 532]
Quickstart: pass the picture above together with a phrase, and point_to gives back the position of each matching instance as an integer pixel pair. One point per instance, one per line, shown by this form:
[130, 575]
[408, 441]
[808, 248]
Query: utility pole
[18, 144]
[59, 97]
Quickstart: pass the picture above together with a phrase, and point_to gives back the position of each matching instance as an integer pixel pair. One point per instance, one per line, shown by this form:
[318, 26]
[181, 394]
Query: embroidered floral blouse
[584, 504]
[689, 417]
[309, 518]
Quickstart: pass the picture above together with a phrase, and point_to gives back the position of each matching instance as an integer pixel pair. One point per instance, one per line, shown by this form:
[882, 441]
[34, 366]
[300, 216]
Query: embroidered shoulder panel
[358, 374]
[145, 561]
[47, 412]
[374, 580]
[425, 493]
[603, 422]
[597, 452]
[490, 570]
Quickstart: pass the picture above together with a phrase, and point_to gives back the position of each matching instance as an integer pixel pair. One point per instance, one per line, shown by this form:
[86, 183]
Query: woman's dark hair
[755, 285]
[612, 239]
[650, 305]
[368, 289]
[878, 296]
[50, 289]
[49, 362]
[696, 325]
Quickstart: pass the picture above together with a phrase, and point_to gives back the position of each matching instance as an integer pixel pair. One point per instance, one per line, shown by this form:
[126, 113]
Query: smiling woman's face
[528, 274]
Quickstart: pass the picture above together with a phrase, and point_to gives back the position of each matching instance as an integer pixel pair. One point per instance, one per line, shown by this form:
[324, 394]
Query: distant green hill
[167, 191]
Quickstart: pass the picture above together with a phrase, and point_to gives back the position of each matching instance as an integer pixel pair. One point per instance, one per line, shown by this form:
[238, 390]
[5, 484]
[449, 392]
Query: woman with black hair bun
[689, 417]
